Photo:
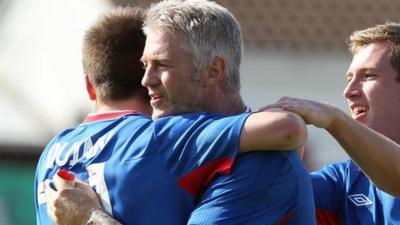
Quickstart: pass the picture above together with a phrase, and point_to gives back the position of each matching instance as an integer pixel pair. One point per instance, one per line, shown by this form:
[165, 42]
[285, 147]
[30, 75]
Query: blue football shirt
[145, 172]
[345, 195]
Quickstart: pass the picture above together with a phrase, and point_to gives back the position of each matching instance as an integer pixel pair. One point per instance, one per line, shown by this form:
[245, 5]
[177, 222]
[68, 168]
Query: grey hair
[207, 30]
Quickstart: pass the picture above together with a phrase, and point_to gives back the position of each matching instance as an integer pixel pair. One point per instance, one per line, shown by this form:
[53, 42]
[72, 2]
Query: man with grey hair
[192, 59]
[206, 33]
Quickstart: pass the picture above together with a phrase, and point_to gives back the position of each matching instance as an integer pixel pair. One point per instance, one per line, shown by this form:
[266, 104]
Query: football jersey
[145, 172]
[263, 188]
[345, 195]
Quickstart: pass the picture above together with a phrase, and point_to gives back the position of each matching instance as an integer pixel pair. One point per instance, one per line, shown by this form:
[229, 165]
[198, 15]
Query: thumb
[64, 180]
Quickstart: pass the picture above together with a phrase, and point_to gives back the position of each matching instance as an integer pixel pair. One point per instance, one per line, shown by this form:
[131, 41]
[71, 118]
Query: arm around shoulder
[377, 155]
[273, 130]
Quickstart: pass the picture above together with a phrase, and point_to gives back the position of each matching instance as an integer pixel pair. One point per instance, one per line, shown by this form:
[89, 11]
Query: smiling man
[192, 58]
[158, 173]
[362, 190]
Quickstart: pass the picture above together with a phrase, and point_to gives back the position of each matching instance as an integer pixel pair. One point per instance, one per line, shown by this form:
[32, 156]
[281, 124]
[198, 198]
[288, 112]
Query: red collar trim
[107, 115]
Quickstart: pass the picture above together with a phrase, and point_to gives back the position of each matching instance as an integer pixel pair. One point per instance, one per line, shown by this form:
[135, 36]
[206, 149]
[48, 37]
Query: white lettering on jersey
[62, 160]
[60, 153]
[92, 150]
[41, 195]
[98, 182]
[54, 152]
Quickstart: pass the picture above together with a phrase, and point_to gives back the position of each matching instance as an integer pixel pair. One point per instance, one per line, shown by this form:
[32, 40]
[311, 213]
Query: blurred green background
[16, 193]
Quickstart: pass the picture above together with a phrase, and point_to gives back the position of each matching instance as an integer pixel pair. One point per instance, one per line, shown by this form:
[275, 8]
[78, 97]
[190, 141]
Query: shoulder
[334, 177]
[198, 121]
[334, 170]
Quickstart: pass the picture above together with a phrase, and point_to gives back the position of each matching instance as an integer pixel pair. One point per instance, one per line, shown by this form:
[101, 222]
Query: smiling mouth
[359, 113]
[155, 99]
[359, 110]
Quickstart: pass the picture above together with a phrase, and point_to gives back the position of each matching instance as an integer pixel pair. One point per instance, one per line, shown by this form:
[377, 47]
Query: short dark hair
[112, 49]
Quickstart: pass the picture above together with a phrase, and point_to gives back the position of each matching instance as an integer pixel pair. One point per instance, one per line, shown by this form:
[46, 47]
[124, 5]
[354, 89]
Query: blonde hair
[388, 32]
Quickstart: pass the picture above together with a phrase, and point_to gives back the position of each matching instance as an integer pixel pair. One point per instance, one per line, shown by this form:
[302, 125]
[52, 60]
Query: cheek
[168, 81]
[382, 96]
[176, 89]
[373, 91]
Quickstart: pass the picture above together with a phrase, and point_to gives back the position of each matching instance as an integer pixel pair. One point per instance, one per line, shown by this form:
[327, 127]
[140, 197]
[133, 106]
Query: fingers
[270, 107]
[66, 175]
[52, 189]
[51, 195]
[69, 200]
[80, 183]
[64, 180]
[284, 103]
[293, 106]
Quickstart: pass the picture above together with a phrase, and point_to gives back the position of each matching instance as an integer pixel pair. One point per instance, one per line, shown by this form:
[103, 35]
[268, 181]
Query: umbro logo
[360, 199]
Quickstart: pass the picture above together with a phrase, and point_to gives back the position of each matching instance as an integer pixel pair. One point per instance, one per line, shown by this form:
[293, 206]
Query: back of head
[112, 49]
[388, 32]
[205, 29]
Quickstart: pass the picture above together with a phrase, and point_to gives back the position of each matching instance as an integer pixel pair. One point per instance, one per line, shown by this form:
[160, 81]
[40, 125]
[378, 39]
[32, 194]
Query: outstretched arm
[377, 155]
[273, 130]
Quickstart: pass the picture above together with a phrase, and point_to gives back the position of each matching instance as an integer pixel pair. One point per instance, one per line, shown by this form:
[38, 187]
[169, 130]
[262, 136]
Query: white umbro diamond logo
[360, 199]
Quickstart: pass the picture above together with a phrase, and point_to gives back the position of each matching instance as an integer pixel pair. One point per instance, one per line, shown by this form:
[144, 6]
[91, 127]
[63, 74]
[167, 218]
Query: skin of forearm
[375, 154]
[99, 217]
[273, 131]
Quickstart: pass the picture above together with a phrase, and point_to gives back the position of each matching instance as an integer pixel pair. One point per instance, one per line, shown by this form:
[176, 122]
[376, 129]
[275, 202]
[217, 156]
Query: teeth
[359, 109]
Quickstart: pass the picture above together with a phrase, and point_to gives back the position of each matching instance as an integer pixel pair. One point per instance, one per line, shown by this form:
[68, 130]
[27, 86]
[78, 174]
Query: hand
[72, 202]
[319, 114]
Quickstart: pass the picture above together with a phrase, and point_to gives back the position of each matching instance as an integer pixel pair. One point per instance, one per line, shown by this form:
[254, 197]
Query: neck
[129, 104]
[393, 134]
[227, 103]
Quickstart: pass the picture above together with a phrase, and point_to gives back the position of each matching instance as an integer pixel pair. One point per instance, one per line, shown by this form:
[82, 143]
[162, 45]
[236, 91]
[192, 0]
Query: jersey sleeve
[43, 172]
[39, 196]
[328, 185]
[198, 146]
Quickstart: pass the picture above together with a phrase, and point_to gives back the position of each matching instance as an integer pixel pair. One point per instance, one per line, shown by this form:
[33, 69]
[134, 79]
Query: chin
[157, 114]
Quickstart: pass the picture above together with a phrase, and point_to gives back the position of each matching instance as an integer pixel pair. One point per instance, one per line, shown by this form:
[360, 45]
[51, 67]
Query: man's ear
[216, 71]
[90, 89]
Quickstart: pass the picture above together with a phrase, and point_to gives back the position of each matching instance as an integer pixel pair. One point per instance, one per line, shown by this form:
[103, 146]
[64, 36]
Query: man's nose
[150, 77]
[352, 89]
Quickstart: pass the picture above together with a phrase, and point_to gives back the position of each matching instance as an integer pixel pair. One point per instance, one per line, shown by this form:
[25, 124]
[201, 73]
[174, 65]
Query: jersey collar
[107, 115]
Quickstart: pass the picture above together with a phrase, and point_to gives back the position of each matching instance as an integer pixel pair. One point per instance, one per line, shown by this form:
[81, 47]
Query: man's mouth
[359, 109]
[155, 99]
[359, 112]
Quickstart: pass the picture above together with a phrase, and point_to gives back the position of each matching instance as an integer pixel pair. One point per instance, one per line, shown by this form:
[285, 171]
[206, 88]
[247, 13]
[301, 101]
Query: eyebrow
[154, 56]
[363, 71]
